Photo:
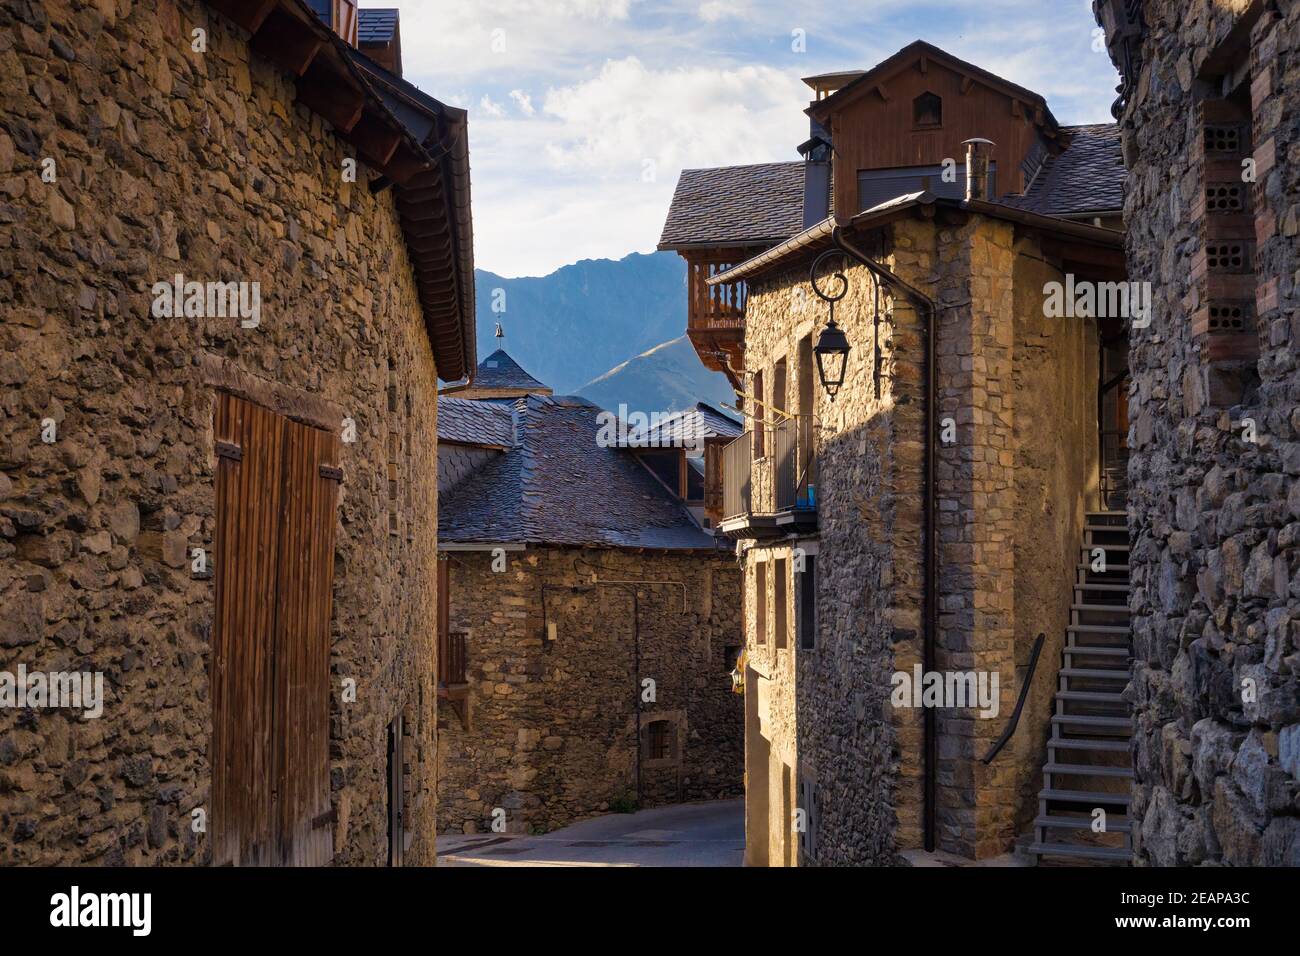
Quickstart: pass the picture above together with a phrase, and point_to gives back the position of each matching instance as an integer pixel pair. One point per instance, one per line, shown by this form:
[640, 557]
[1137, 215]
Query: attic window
[927, 111]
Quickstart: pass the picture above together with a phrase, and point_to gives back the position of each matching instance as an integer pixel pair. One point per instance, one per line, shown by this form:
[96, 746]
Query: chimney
[978, 153]
[816, 174]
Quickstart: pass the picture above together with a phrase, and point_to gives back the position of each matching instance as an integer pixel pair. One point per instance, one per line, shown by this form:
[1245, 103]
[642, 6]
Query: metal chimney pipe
[978, 153]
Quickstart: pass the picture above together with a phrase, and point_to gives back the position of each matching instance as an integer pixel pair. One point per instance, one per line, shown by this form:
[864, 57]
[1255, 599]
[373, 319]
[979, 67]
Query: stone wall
[828, 716]
[552, 724]
[1214, 518]
[1012, 493]
[171, 161]
[1055, 378]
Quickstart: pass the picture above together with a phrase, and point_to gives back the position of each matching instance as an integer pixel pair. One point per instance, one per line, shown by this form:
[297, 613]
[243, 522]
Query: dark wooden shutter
[277, 490]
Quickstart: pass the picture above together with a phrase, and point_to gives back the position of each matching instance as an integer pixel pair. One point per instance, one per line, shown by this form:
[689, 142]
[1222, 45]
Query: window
[876, 186]
[927, 110]
[808, 604]
[760, 601]
[780, 620]
[659, 740]
[759, 414]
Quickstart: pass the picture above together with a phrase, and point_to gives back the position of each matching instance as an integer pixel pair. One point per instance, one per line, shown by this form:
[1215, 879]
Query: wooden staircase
[1089, 765]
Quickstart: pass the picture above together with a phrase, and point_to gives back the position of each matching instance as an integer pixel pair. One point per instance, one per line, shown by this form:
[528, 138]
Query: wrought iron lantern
[832, 348]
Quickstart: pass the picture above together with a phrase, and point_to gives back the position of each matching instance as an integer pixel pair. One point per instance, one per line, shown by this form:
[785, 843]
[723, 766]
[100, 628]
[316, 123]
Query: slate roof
[1087, 177]
[558, 486]
[690, 427]
[499, 370]
[735, 205]
[376, 25]
[475, 423]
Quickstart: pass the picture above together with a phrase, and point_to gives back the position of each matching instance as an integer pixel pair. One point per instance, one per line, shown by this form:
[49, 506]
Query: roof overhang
[818, 237]
[416, 142]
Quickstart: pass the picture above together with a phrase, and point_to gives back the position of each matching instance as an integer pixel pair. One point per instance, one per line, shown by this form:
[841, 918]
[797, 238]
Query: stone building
[591, 622]
[235, 259]
[955, 498]
[1208, 107]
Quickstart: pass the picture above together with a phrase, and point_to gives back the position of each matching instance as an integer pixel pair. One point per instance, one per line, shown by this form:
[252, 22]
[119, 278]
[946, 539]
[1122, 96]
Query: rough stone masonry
[1214, 508]
[172, 161]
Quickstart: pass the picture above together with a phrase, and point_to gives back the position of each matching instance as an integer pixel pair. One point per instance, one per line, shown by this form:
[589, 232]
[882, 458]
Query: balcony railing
[737, 489]
[793, 463]
[451, 659]
[714, 306]
[775, 494]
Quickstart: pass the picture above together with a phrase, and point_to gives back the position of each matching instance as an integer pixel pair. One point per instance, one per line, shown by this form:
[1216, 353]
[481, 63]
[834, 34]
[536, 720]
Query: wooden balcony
[776, 494]
[715, 318]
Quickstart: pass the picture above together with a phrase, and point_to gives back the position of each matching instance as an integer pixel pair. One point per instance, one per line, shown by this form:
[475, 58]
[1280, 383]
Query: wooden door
[277, 492]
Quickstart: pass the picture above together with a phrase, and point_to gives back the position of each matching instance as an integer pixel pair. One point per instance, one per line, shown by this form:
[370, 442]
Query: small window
[927, 110]
[780, 619]
[808, 604]
[659, 740]
[760, 602]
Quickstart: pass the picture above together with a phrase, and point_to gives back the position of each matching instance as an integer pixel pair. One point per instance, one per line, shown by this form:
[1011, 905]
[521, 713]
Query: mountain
[576, 324]
[666, 378]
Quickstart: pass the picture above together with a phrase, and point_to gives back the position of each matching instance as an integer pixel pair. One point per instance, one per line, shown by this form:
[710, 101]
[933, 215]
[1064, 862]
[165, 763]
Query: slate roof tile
[761, 203]
[558, 486]
[1087, 177]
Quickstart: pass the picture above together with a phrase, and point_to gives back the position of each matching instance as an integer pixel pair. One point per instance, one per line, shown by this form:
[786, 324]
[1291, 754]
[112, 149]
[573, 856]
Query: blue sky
[583, 112]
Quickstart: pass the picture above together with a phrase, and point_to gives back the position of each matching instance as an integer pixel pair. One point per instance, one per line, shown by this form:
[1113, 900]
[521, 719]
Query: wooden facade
[886, 119]
[277, 494]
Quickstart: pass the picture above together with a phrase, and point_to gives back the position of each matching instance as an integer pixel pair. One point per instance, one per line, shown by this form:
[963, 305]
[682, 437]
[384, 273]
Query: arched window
[927, 110]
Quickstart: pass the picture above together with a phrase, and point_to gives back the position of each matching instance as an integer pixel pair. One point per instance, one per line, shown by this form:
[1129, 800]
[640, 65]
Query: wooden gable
[917, 109]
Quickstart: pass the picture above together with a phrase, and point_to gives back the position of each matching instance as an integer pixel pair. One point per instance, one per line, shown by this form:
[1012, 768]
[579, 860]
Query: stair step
[1108, 608]
[1086, 770]
[1107, 514]
[1096, 673]
[1088, 743]
[1097, 651]
[1095, 695]
[1109, 528]
[1105, 547]
[1103, 587]
[1096, 629]
[1110, 568]
[1085, 720]
[1085, 852]
[1086, 797]
[1114, 824]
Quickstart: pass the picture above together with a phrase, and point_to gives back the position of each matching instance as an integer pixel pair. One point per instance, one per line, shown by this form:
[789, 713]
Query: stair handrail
[1020, 703]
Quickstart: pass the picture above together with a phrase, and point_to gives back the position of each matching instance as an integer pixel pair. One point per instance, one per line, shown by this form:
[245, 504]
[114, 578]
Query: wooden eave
[921, 55]
[435, 218]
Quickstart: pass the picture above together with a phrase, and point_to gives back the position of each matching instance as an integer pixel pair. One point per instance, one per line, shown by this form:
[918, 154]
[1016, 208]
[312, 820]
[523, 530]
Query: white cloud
[524, 102]
[588, 94]
[711, 11]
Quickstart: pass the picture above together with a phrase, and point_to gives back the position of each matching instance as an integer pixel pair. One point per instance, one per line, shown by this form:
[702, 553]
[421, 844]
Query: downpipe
[927, 307]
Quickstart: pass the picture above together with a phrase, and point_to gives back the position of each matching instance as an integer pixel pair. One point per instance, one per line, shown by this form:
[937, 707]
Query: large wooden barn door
[277, 490]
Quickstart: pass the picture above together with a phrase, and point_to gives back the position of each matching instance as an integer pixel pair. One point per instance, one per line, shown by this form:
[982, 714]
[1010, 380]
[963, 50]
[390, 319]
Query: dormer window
[927, 111]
